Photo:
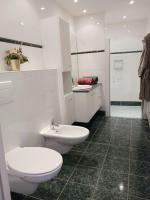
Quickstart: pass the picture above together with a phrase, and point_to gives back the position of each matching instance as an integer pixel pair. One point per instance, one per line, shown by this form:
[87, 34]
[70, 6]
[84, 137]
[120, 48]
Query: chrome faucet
[54, 124]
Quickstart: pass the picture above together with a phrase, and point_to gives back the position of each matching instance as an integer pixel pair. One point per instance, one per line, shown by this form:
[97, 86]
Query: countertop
[88, 90]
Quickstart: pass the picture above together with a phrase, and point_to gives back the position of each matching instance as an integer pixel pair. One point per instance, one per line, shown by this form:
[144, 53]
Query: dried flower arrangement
[15, 57]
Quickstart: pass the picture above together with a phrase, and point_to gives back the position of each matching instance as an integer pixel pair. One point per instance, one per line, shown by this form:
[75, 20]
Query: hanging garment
[144, 70]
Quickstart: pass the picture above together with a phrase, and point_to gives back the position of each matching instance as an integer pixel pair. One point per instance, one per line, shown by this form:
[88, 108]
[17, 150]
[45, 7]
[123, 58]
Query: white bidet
[64, 137]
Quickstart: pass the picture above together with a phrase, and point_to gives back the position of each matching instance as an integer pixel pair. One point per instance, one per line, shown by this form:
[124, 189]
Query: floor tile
[97, 148]
[122, 132]
[90, 137]
[30, 198]
[85, 175]
[113, 181]
[140, 144]
[92, 160]
[139, 154]
[102, 194]
[75, 191]
[119, 141]
[126, 111]
[80, 147]
[101, 138]
[108, 123]
[117, 165]
[82, 166]
[118, 152]
[16, 196]
[65, 172]
[108, 126]
[135, 198]
[140, 168]
[139, 187]
[123, 123]
[72, 158]
[49, 190]
[140, 123]
[107, 131]
[140, 134]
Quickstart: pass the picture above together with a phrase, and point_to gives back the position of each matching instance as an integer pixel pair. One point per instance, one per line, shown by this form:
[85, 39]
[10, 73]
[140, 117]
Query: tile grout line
[129, 159]
[100, 171]
[71, 175]
[92, 198]
[34, 198]
[78, 163]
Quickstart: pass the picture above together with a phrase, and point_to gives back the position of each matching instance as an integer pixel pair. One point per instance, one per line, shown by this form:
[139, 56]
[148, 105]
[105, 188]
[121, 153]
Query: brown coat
[144, 71]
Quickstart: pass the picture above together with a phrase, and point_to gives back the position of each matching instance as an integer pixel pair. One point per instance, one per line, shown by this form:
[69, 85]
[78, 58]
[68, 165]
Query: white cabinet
[57, 55]
[65, 45]
[69, 101]
[87, 104]
[56, 43]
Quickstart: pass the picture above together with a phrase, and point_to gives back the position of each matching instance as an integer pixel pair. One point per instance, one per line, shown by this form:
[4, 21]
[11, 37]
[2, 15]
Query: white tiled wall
[35, 103]
[29, 12]
[125, 83]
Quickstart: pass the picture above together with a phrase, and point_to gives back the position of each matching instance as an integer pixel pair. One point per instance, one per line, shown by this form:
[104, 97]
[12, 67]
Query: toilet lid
[33, 160]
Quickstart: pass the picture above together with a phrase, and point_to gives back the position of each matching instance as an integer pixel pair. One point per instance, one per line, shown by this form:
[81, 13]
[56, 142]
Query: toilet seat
[33, 161]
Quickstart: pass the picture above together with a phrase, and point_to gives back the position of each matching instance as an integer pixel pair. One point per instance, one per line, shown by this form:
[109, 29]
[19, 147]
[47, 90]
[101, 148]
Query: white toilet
[29, 166]
[63, 137]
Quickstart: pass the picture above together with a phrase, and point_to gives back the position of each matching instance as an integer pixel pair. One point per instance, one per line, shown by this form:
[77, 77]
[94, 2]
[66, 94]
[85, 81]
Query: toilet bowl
[64, 137]
[29, 166]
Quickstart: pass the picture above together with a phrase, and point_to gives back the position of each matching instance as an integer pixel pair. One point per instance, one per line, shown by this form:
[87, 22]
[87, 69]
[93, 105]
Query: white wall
[125, 83]
[14, 12]
[148, 25]
[134, 30]
[35, 103]
[29, 12]
[90, 36]
[127, 36]
[53, 9]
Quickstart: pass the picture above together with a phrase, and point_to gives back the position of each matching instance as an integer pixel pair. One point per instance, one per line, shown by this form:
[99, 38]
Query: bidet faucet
[54, 124]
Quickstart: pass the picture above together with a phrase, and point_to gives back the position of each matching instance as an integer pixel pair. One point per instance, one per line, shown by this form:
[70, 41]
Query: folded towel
[94, 78]
[85, 81]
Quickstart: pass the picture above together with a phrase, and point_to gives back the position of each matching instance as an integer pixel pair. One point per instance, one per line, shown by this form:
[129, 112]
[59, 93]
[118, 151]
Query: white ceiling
[113, 9]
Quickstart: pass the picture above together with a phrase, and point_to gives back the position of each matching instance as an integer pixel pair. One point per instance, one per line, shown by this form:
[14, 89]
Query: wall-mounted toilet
[64, 137]
[29, 166]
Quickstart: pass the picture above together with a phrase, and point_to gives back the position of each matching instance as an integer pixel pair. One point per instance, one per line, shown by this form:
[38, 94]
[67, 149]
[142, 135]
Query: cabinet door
[65, 45]
[91, 104]
[98, 101]
[70, 112]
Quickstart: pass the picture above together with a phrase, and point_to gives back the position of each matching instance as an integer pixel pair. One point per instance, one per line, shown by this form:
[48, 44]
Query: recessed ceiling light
[98, 23]
[22, 23]
[131, 2]
[84, 11]
[76, 1]
[43, 8]
[124, 17]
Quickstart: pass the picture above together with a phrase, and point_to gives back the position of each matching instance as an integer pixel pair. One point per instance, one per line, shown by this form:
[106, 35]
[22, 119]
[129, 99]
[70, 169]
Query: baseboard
[126, 103]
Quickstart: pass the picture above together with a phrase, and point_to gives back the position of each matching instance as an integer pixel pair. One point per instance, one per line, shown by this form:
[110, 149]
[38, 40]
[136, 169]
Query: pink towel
[85, 81]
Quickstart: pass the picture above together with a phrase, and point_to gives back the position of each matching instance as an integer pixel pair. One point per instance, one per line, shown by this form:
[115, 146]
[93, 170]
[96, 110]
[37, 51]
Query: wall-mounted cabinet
[67, 82]
[57, 54]
[65, 45]
[87, 104]
[56, 44]
[70, 112]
